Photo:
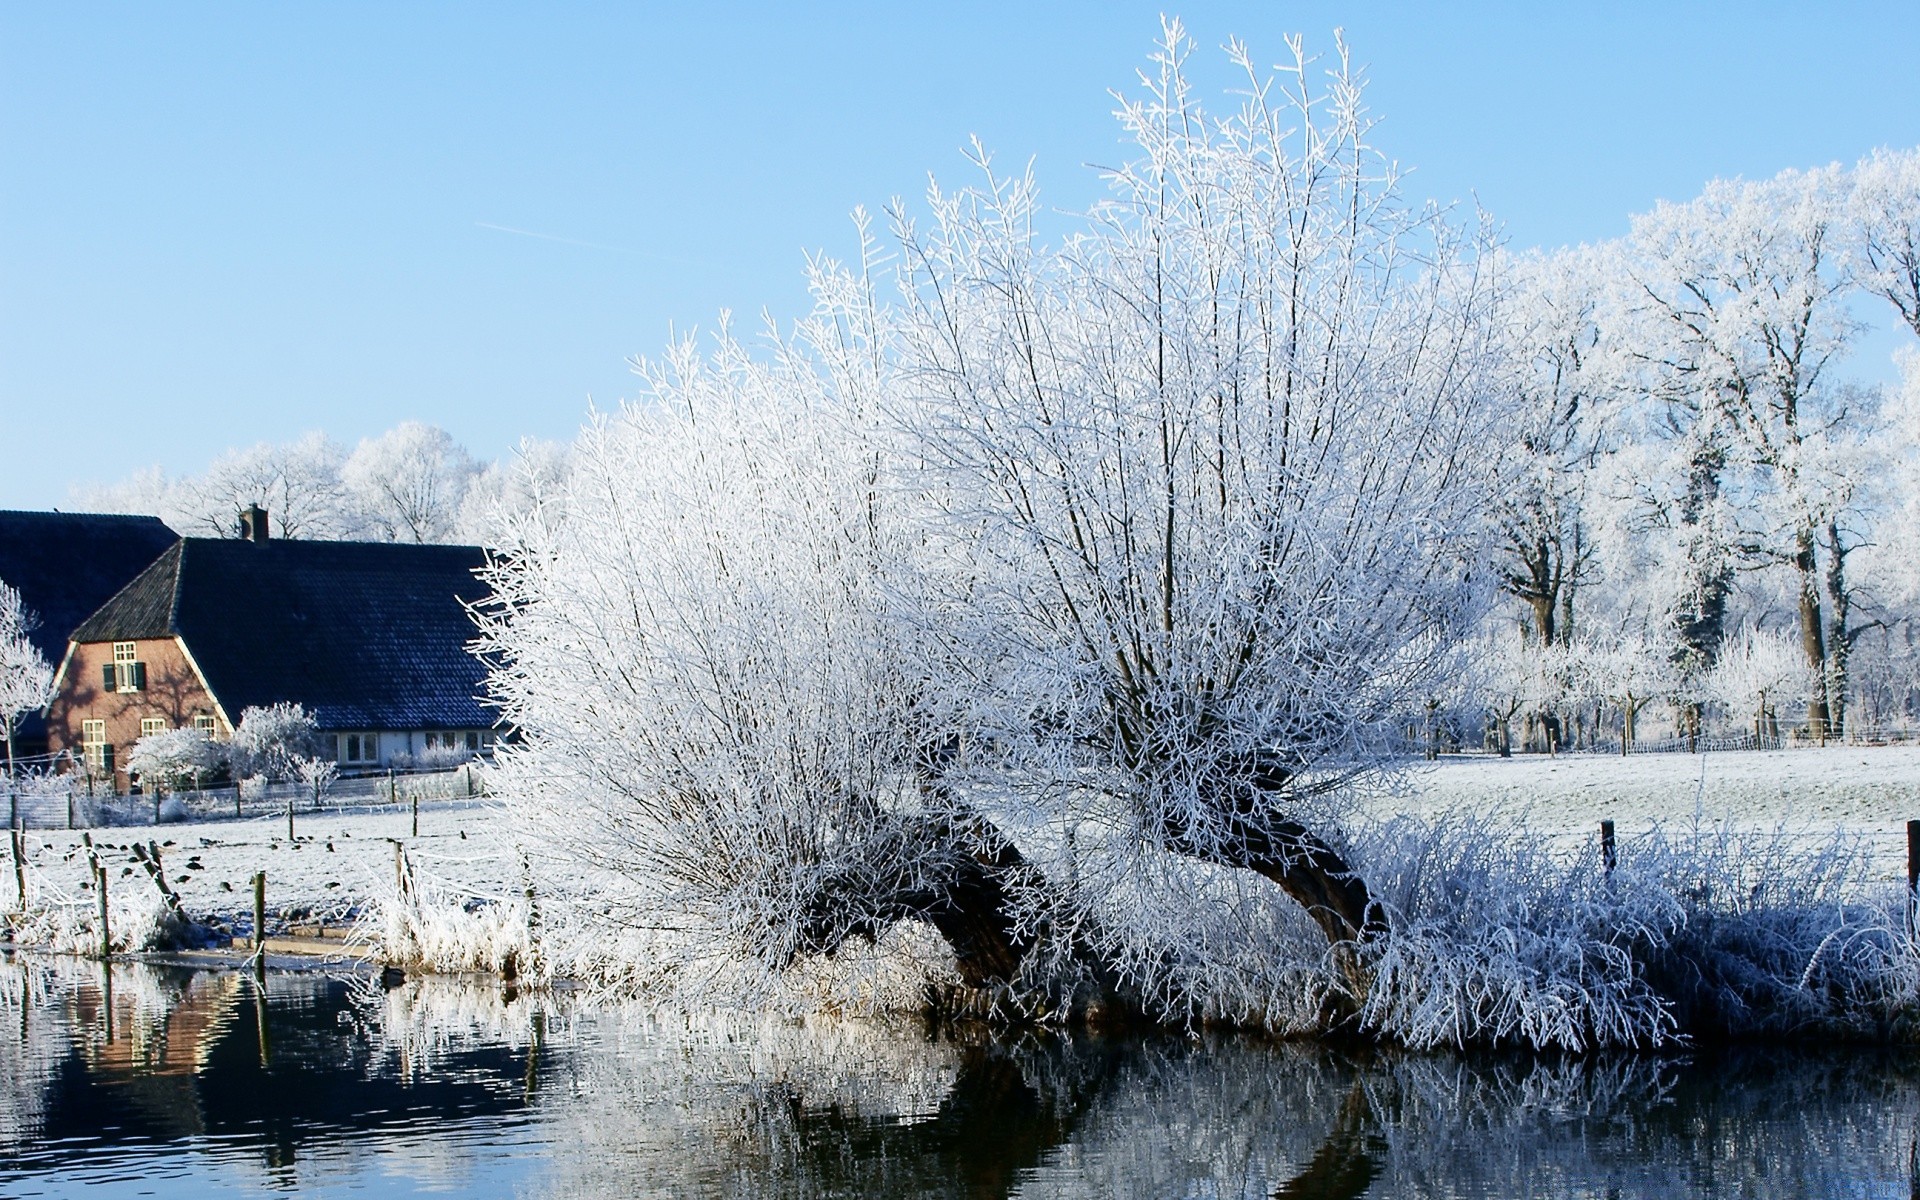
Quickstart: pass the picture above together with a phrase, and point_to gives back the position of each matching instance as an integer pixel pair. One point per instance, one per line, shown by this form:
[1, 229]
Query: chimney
[253, 524]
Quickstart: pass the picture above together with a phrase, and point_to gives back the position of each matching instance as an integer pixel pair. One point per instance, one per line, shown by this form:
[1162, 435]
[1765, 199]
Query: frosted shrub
[1782, 933]
[1497, 939]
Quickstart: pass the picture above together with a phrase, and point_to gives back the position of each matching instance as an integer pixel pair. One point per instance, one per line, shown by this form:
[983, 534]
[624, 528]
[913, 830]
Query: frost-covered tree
[1631, 671]
[534, 476]
[1739, 307]
[1211, 473]
[1756, 674]
[409, 483]
[1884, 212]
[297, 482]
[175, 758]
[272, 740]
[26, 680]
[1556, 438]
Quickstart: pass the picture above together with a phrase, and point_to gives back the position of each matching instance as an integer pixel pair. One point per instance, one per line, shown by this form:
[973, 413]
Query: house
[65, 565]
[370, 637]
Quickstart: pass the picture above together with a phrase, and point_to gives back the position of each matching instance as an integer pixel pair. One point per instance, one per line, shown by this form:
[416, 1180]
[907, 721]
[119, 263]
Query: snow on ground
[337, 860]
[1873, 790]
[330, 867]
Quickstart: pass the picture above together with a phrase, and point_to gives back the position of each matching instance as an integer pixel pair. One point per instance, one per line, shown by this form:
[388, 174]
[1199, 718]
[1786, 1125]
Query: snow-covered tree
[175, 758]
[1556, 438]
[699, 646]
[297, 482]
[1212, 474]
[26, 680]
[1740, 300]
[534, 476]
[1756, 674]
[1884, 212]
[1632, 670]
[409, 483]
[272, 740]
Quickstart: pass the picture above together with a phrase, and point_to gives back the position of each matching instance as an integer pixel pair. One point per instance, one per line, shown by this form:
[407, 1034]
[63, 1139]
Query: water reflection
[171, 1083]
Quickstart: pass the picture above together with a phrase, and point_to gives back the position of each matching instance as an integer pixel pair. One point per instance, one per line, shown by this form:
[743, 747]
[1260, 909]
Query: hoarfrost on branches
[26, 679]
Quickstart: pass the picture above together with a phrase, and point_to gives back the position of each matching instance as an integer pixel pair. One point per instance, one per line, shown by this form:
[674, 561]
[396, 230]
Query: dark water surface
[184, 1084]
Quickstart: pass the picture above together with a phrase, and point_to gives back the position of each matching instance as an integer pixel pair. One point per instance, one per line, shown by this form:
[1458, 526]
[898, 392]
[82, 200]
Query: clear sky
[221, 224]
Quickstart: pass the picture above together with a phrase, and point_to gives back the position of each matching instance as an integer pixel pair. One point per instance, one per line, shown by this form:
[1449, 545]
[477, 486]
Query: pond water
[148, 1081]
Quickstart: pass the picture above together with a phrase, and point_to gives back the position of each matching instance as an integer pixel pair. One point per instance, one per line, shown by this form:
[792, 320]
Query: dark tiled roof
[66, 565]
[367, 635]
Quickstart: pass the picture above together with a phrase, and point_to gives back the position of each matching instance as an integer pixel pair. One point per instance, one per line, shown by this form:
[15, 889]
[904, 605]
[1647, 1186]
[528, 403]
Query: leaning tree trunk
[1245, 830]
[1314, 875]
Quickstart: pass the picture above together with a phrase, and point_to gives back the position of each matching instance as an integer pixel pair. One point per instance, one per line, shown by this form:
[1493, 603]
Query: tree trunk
[1244, 831]
[1812, 634]
[1839, 640]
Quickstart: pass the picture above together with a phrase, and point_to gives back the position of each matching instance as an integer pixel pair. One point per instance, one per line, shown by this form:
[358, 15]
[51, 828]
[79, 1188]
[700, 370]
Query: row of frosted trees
[1061, 594]
[1705, 508]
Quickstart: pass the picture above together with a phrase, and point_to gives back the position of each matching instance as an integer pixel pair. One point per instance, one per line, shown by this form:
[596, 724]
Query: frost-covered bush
[270, 740]
[1500, 937]
[1784, 932]
[176, 758]
[1496, 938]
[434, 758]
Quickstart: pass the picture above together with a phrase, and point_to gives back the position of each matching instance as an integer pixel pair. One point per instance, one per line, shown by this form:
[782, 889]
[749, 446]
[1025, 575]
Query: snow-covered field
[1873, 790]
[337, 861]
[329, 868]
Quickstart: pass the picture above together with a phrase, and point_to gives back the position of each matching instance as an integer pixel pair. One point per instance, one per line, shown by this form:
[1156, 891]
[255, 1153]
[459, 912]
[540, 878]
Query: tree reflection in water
[461, 1087]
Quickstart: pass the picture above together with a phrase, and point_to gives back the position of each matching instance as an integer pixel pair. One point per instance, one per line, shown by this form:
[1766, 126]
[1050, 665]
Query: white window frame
[93, 736]
[126, 657]
[359, 748]
[152, 725]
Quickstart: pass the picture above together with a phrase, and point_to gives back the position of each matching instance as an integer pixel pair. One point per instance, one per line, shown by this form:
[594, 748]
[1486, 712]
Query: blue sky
[221, 224]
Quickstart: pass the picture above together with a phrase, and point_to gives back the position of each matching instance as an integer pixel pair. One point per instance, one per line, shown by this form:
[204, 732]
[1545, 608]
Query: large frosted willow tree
[1165, 525]
[1209, 477]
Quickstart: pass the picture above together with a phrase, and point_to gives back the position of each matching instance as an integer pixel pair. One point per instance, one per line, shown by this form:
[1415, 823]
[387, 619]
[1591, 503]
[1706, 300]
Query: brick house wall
[172, 693]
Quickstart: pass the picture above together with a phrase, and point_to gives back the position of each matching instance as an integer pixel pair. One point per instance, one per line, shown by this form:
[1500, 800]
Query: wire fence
[68, 802]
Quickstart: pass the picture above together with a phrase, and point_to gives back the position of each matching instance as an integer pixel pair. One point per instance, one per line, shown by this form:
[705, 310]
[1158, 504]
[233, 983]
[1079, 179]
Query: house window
[473, 739]
[152, 725]
[359, 747]
[126, 673]
[204, 723]
[95, 750]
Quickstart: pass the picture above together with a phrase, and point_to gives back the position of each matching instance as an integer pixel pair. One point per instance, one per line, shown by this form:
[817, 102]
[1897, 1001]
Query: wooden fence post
[19, 866]
[106, 934]
[260, 914]
[1608, 857]
[416, 811]
[1913, 872]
